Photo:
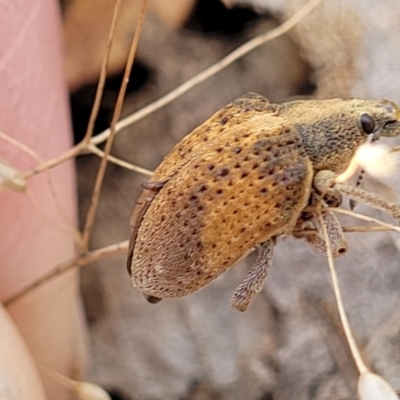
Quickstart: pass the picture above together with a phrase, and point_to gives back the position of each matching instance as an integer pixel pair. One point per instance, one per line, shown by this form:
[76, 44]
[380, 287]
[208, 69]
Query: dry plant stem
[20, 146]
[76, 262]
[73, 152]
[214, 69]
[362, 368]
[364, 218]
[180, 90]
[103, 75]
[117, 113]
[117, 161]
[347, 229]
[122, 247]
[71, 227]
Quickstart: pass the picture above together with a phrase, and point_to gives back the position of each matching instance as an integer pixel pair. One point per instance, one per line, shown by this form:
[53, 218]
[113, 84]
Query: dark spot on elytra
[205, 139]
[237, 165]
[219, 149]
[243, 230]
[244, 175]
[220, 191]
[255, 165]
[223, 172]
[237, 150]
[224, 120]
[203, 189]
[211, 167]
[264, 190]
[193, 198]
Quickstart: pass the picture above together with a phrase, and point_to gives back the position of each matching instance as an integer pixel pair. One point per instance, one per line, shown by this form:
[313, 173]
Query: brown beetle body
[239, 180]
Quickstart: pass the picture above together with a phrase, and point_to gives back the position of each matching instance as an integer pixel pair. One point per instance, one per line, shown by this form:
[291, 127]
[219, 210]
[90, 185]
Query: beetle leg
[255, 279]
[335, 233]
[308, 220]
[324, 181]
[150, 190]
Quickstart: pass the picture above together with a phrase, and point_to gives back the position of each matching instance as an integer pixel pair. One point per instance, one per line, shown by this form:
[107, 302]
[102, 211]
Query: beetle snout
[391, 127]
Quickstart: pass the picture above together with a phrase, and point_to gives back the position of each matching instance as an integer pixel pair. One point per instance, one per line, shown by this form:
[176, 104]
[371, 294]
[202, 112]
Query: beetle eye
[367, 123]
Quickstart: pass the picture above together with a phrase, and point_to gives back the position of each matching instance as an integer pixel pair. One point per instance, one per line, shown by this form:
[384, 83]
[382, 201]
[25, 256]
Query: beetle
[241, 180]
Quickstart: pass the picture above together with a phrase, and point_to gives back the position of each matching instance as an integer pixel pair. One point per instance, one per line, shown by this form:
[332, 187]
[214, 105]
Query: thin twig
[122, 247]
[72, 152]
[347, 229]
[70, 229]
[21, 146]
[180, 90]
[210, 71]
[103, 76]
[27, 150]
[362, 368]
[79, 261]
[117, 161]
[363, 217]
[117, 113]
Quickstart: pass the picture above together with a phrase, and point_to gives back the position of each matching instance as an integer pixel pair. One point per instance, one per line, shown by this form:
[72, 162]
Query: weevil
[241, 180]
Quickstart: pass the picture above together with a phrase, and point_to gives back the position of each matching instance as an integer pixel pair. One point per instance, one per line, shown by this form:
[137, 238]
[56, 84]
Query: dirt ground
[289, 343]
